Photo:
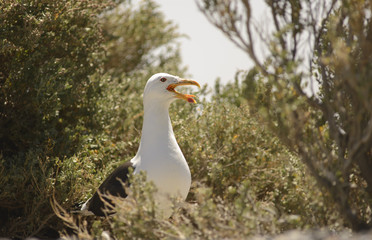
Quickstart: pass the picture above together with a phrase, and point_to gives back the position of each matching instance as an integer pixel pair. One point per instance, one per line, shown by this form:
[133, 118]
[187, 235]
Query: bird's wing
[111, 186]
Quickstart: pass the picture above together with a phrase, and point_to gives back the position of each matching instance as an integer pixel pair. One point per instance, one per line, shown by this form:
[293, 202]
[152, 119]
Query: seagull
[158, 155]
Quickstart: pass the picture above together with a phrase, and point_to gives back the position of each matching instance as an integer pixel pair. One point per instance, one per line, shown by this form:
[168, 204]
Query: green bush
[59, 117]
[244, 181]
[312, 87]
[49, 50]
[71, 111]
[138, 38]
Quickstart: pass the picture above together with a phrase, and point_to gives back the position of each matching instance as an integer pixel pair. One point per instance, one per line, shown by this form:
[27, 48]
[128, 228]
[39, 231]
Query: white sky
[207, 52]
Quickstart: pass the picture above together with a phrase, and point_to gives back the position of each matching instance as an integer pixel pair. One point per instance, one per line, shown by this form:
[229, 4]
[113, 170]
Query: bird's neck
[157, 131]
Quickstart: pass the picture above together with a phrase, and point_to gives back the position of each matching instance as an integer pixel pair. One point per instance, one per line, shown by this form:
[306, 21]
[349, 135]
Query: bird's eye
[163, 79]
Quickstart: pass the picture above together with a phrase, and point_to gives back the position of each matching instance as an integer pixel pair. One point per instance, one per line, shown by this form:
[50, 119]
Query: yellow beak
[183, 82]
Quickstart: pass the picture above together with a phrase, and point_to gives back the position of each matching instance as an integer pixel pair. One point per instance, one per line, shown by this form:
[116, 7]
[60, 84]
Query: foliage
[48, 52]
[71, 111]
[244, 182]
[138, 37]
[59, 105]
[325, 43]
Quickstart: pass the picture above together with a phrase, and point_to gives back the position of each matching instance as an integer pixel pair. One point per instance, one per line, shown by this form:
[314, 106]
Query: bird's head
[161, 88]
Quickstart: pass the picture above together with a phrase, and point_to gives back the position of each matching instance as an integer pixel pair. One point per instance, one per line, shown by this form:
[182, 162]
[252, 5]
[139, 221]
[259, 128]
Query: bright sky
[207, 52]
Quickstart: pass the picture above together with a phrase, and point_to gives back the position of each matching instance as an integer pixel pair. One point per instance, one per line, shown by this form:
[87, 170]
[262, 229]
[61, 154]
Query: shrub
[49, 51]
[69, 117]
[244, 182]
[57, 103]
[313, 88]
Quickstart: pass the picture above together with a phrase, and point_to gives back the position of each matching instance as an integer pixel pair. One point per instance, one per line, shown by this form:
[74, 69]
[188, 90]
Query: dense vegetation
[60, 103]
[313, 88]
[71, 78]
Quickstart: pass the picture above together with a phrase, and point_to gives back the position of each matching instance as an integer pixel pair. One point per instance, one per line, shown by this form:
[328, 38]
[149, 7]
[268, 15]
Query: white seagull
[158, 154]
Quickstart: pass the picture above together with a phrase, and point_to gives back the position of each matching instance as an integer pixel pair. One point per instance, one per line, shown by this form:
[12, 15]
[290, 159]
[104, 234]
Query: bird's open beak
[183, 82]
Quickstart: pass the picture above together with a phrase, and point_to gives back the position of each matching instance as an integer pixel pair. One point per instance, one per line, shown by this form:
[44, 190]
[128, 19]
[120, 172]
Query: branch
[274, 12]
[229, 27]
[360, 146]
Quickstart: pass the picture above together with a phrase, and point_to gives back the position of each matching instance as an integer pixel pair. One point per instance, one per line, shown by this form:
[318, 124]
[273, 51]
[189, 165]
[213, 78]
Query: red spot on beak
[190, 100]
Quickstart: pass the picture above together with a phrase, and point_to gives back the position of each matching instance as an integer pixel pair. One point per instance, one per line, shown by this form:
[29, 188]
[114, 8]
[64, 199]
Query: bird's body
[158, 155]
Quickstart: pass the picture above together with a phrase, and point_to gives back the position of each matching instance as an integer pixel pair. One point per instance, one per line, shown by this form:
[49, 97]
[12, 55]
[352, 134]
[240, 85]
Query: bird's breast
[168, 170]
